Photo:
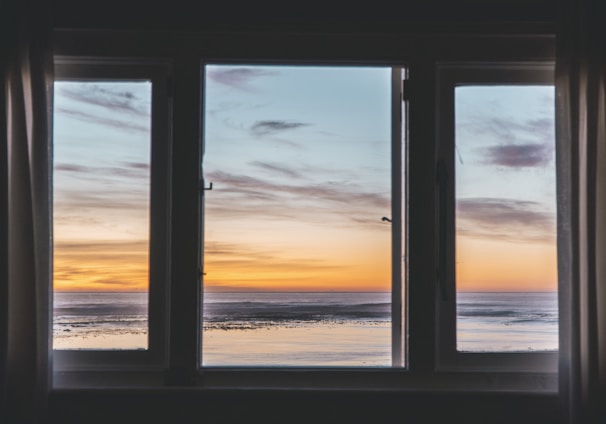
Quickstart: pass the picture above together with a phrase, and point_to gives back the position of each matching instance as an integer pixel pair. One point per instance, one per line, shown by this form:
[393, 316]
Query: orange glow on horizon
[497, 265]
[295, 261]
[102, 266]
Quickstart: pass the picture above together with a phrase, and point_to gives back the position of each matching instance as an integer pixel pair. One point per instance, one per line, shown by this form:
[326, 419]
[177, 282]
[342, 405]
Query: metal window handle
[442, 180]
[210, 187]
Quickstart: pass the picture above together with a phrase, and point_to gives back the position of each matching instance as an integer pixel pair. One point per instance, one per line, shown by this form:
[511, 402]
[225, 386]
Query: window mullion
[185, 280]
[160, 207]
[421, 218]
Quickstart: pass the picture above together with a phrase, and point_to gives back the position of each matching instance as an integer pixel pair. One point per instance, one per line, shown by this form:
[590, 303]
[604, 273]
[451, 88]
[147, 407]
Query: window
[101, 207]
[110, 149]
[365, 173]
[498, 145]
[297, 226]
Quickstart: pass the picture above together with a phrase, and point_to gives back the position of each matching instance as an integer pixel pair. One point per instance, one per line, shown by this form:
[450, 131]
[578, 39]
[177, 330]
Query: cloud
[519, 143]
[331, 202]
[239, 78]
[94, 246]
[114, 99]
[261, 128]
[213, 287]
[137, 165]
[221, 256]
[514, 220]
[519, 155]
[331, 191]
[124, 169]
[102, 205]
[101, 265]
[510, 131]
[66, 167]
[274, 168]
[116, 282]
[128, 125]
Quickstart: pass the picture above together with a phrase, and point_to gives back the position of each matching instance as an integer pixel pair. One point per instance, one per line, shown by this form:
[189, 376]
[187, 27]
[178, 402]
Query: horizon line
[307, 291]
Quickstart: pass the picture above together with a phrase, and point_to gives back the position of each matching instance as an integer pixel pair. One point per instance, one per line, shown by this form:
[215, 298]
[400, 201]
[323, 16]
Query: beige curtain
[26, 211]
[581, 152]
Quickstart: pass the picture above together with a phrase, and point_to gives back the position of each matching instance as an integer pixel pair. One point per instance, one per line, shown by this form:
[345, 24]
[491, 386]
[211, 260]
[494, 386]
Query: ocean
[305, 329]
[507, 322]
[100, 320]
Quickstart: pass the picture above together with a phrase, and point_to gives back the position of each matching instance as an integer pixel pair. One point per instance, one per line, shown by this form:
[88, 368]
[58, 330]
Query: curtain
[581, 153]
[26, 211]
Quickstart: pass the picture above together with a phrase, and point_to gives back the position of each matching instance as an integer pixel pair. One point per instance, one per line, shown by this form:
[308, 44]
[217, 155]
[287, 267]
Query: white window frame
[451, 75]
[154, 357]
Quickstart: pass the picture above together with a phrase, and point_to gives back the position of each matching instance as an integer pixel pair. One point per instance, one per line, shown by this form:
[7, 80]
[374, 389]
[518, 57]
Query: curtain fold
[581, 152]
[26, 202]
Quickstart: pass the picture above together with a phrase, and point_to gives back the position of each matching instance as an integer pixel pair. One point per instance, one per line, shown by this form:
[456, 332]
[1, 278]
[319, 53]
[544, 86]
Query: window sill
[305, 379]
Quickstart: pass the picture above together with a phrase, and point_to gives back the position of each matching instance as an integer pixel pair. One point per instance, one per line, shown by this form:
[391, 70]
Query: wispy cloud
[256, 264]
[274, 168]
[239, 78]
[261, 128]
[139, 125]
[100, 202]
[511, 131]
[330, 191]
[101, 265]
[519, 155]
[515, 220]
[94, 246]
[334, 202]
[124, 169]
[114, 99]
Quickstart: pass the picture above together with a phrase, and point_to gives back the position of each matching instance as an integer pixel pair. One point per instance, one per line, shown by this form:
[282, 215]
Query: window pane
[505, 219]
[297, 258]
[101, 214]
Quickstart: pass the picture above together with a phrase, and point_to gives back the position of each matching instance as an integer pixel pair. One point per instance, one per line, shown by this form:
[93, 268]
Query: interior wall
[385, 16]
[183, 406]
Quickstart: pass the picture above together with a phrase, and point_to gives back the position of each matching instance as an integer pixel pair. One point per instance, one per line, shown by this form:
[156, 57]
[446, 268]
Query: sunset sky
[299, 158]
[101, 185]
[505, 188]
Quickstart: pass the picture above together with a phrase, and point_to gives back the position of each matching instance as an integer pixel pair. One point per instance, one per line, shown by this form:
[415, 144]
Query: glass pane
[297, 258]
[505, 219]
[101, 214]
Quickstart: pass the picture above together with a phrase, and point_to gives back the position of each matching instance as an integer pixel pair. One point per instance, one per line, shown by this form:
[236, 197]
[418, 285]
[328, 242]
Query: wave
[258, 313]
[99, 309]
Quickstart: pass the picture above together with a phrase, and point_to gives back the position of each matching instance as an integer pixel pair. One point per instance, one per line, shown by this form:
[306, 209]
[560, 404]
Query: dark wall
[307, 16]
[182, 407]
[369, 16]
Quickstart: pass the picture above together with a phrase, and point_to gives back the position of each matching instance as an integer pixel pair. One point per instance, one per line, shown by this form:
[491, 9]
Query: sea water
[507, 322]
[296, 329]
[305, 329]
[100, 320]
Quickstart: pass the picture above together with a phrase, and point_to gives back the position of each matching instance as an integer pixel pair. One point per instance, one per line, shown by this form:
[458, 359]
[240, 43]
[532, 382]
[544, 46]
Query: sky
[101, 185]
[505, 188]
[299, 158]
